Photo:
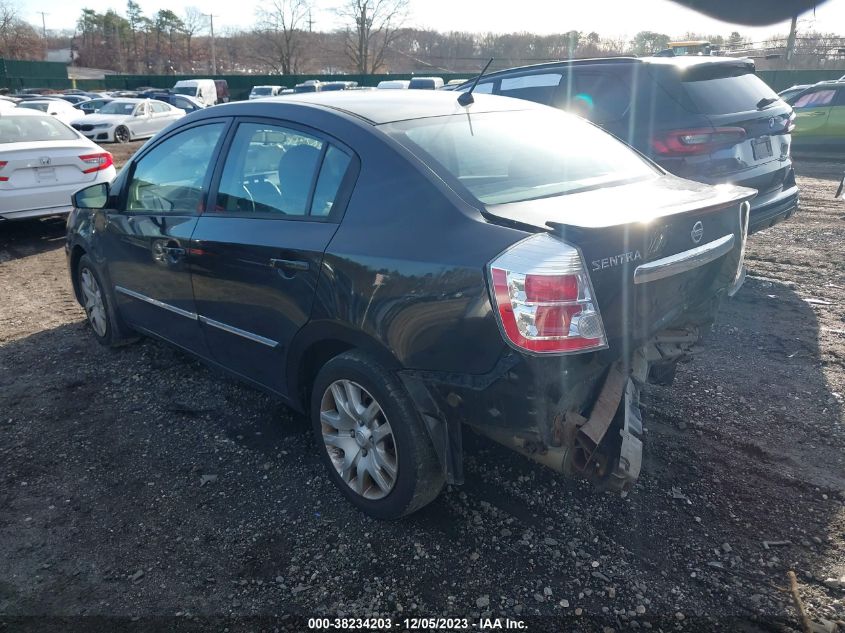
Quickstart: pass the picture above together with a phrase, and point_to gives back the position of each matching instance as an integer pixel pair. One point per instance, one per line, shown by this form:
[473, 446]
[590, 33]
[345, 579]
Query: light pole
[213, 55]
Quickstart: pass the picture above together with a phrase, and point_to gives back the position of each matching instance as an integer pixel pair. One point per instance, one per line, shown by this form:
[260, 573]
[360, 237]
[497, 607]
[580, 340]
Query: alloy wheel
[359, 439]
[93, 302]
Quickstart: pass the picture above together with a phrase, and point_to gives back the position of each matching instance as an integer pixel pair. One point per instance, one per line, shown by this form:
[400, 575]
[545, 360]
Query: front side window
[170, 178]
[817, 99]
[273, 170]
[502, 157]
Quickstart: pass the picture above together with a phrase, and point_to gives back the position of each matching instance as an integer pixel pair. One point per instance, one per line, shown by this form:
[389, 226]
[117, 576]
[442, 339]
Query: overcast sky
[609, 18]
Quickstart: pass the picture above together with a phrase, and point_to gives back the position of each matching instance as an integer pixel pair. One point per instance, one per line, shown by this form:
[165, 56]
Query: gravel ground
[138, 484]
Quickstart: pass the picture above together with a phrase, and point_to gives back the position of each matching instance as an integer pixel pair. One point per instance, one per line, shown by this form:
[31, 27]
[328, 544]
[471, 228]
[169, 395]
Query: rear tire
[99, 305]
[371, 438]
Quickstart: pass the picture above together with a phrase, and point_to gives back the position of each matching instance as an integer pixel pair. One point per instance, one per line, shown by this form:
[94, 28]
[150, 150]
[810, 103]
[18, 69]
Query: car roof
[23, 112]
[680, 62]
[379, 107]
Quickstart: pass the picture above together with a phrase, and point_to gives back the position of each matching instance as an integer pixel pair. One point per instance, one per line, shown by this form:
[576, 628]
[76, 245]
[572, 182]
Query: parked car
[259, 92]
[312, 85]
[393, 84]
[793, 90]
[58, 108]
[205, 90]
[397, 265]
[709, 119]
[183, 102]
[124, 120]
[820, 116]
[94, 105]
[43, 162]
[328, 86]
[425, 83]
[74, 99]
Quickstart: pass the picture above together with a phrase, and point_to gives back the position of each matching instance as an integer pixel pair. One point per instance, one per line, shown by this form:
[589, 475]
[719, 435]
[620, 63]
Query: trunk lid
[644, 225]
[51, 164]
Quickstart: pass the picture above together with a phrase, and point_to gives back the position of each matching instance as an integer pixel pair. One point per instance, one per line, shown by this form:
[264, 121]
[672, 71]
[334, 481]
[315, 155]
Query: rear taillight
[696, 141]
[3, 163]
[544, 297]
[97, 162]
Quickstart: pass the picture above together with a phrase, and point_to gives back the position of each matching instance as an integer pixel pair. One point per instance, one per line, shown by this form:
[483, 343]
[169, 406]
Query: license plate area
[761, 148]
[45, 174]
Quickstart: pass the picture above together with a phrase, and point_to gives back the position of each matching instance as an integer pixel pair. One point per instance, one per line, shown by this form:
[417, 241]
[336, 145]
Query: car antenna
[466, 98]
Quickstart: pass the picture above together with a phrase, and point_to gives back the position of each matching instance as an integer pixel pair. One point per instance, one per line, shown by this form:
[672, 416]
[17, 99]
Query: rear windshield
[505, 157]
[186, 90]
[24, 129]
[725, 95]
[34, 106]
[261, 91]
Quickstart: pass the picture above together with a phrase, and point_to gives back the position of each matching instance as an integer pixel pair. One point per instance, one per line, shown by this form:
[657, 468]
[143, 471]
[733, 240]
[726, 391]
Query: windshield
[21, 129]
[34, 106]
[191, 91]
[261, 91]
[514, 156]
[118, 107]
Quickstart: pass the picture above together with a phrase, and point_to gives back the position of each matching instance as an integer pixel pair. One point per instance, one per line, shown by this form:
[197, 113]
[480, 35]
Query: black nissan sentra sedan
[397, 265]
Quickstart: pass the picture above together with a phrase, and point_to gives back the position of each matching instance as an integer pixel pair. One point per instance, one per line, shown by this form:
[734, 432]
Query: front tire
[99, 306]
[371, 438]
[121, 134]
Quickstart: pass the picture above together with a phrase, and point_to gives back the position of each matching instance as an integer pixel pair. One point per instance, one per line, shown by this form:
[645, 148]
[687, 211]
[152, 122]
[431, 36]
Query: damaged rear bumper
[579, 416]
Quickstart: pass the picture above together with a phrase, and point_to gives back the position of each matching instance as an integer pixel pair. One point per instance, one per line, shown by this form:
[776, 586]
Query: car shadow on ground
[143, 460]
[22, 238]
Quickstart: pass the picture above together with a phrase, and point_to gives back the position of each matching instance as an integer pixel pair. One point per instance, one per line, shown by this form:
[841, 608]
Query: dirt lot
[137, 483]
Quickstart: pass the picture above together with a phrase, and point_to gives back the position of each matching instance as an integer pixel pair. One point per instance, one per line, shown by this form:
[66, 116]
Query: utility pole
[44, 24]
[790, 42]
[213, 55]
[310, 22]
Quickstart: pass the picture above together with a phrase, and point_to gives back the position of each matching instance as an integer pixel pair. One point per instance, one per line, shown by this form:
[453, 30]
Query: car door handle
[175, 251]
[289, 264]
[816, 113]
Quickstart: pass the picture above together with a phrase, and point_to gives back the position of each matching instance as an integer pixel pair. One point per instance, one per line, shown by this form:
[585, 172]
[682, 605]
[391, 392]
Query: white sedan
[58, 108]
[43, 162]
[124, 120]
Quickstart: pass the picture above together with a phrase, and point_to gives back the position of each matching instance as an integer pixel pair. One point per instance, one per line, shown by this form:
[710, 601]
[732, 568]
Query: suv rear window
[503, 157]
[725, 95]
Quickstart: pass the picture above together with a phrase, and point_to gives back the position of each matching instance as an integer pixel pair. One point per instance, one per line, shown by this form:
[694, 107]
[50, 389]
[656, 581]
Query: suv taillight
[695, 141]
[544, 298]
[97, 162]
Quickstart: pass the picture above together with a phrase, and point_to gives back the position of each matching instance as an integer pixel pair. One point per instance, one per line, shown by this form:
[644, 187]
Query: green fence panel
[782, 79]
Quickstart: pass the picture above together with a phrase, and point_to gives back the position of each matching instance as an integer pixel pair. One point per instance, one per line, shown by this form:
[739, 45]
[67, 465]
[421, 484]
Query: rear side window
[537, 87]
[26, 129]
[502, 157]
[817, 99]
[272, 170]
[725, 95]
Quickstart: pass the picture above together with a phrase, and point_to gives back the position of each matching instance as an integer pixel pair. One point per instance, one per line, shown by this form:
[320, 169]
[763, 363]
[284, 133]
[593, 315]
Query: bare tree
[18, 40]
[195, 22]
[281, 23]
[374, 28]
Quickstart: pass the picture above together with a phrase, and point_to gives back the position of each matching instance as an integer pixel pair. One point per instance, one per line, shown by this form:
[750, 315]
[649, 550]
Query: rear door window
[817, 99]
[728, 94]
[597, 96]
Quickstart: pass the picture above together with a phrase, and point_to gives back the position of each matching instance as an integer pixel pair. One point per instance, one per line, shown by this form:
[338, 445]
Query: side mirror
[93, 197]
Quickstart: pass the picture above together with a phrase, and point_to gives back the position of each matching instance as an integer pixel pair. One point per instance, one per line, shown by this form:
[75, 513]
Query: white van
[203, 89]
